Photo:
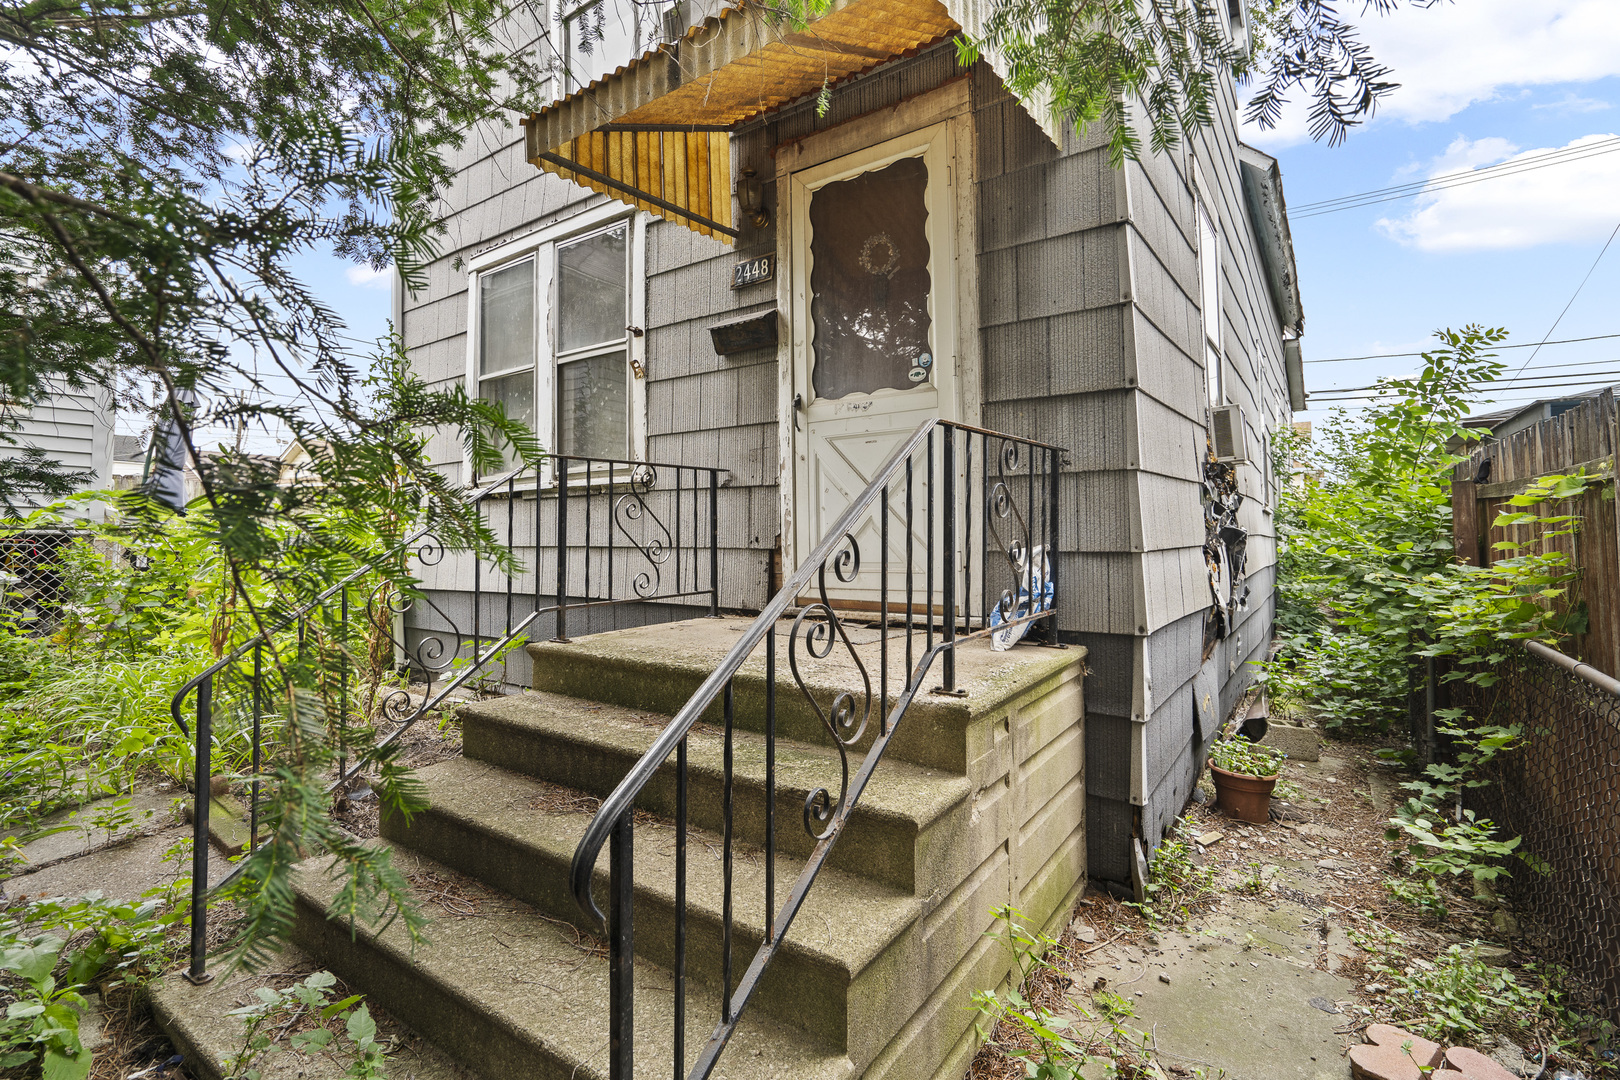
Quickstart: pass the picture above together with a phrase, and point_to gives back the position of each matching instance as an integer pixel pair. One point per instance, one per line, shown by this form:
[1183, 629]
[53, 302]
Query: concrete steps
[651, 670]
[503, 829]
[979, 802]
[907, 814]
[508, 992]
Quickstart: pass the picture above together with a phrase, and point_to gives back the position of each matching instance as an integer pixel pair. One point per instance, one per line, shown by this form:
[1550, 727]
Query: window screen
[1209, 300]
[506, 341]
[593, 372]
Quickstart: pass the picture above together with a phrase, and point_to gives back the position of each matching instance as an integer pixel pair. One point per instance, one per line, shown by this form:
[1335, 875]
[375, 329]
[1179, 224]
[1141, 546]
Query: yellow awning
[653, 134]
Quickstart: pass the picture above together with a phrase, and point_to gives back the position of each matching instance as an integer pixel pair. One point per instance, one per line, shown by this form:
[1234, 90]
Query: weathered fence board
[1581, 439]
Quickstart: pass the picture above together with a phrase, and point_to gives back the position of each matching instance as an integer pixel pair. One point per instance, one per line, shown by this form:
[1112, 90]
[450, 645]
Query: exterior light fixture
[751, 196]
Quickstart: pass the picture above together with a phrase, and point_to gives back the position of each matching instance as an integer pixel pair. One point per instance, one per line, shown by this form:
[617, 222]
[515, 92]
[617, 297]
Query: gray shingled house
[775, 252]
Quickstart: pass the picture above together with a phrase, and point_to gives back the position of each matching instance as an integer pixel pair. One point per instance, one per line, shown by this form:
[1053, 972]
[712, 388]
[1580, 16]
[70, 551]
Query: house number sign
[753, 271]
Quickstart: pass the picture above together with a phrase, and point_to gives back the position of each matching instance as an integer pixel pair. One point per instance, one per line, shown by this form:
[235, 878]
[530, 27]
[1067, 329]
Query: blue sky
[1483, 81]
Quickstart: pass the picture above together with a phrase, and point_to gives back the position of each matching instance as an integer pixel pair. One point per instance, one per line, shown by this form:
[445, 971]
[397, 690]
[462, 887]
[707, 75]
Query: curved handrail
[263, 637]
[623, 797]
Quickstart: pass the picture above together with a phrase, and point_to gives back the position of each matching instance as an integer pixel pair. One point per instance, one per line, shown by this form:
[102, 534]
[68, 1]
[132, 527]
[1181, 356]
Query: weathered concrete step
[512, 994]
[195, 1020]
[658, 668]
[895, 836]
[517, 835]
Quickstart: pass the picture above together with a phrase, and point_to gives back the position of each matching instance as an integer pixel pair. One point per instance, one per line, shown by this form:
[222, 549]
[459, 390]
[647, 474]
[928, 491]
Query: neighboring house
[129, 461]
[295, 459]
[635, 273]
[1500, 423]
[75, 429]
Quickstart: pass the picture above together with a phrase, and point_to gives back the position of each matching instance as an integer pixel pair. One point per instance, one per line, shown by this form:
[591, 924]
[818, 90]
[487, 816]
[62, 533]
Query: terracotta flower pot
[1247, 798]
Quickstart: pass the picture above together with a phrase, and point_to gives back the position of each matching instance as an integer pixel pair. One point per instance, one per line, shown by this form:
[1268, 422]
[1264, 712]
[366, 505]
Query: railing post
[203, 794]
[948, 469]
[1054, 460]
[714, 543]
[621, 950]
[562, 552]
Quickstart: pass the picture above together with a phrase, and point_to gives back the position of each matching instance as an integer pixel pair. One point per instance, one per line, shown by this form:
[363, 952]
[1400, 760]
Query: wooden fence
[1583, 439]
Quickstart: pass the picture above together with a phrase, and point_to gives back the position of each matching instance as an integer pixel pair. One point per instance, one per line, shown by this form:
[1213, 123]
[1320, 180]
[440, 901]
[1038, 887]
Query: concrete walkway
[1259, 978]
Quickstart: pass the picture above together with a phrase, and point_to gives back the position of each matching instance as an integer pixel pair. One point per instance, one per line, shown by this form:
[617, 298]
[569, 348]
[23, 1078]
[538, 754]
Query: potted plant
[1244, 774]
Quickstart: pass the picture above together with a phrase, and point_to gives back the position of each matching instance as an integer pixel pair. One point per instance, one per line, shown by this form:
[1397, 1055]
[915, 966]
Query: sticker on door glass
[869, 282]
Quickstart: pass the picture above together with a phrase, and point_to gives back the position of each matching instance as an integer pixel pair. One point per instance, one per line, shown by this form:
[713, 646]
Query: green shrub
[1245, 758]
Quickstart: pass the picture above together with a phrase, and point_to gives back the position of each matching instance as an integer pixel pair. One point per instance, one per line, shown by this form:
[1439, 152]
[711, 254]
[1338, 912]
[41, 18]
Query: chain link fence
[1560, 790]
[32, 583]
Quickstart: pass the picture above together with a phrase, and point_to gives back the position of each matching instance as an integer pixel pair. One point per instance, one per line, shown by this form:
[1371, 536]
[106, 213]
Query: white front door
[874, 339]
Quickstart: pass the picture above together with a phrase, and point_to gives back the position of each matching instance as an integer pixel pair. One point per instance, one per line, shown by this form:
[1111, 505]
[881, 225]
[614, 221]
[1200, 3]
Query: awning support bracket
[635, 193]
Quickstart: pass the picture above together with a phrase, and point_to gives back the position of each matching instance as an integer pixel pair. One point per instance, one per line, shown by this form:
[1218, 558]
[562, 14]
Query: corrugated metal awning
[653, 134]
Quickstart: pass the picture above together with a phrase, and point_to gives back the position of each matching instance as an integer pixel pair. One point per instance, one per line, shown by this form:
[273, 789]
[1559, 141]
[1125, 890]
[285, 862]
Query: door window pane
[591, 290]
[594, 407]
[869, 282]
[506, 319]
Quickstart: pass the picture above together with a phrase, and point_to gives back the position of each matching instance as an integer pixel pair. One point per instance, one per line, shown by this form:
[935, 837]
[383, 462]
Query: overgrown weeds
[1176, 883]
[1461, 996]
[1037, 1024]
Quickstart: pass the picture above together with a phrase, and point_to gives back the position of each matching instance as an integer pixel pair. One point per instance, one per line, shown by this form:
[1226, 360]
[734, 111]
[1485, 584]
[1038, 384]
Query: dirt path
[1247, 967]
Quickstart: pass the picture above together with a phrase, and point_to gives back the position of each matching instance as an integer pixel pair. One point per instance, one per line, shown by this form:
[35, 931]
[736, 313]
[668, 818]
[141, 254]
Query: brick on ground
[1473, 1065]
[1386, 1055]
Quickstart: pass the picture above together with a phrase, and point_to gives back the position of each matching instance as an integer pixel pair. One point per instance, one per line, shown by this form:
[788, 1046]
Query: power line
[1461, 174]
[1457, 179]
[1352, 407]
[1482, 384]
[1543, 372]
[1572, 297]
[1539, 381]
[1400, 355]
[1575, 387]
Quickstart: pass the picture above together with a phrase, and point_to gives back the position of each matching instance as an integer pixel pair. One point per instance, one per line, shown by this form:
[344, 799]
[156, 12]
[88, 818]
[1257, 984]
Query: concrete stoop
[980, 802]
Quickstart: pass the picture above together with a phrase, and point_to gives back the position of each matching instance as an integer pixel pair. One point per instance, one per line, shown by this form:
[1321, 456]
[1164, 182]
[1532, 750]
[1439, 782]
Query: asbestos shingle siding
[1090, 337]
[1111, 256]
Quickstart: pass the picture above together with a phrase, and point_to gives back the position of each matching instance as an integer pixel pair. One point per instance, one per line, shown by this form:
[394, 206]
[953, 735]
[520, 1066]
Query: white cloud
[1571, 201]
[1451, 56]
[1573, 103]
[367, 278]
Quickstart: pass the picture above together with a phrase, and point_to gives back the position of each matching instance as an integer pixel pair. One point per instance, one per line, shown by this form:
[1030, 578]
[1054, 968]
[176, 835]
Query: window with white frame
[506, 335]
[592, 346]
[1209, 301]
[553, 343]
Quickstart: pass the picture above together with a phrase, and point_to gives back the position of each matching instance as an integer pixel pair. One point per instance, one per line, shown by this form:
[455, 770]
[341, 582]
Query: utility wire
[1572, 297]
[1542, 373]
[1544, 393]
[1461, 174]
[1574, 386]
[1399, 355]
[1457, 179]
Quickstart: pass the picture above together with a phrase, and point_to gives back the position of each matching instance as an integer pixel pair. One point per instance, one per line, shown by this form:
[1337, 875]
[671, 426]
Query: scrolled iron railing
[980, 512]
[601, 534]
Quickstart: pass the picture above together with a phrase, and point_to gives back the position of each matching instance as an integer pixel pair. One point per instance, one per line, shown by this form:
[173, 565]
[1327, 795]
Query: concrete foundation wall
[1028, 849]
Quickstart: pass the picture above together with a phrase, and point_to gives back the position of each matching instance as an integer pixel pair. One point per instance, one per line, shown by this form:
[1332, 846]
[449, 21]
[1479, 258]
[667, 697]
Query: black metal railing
[976, 553]
[590, 539]
[1559, 789]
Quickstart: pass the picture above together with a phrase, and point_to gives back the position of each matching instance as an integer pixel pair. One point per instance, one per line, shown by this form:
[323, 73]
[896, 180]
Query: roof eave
[1268, 212]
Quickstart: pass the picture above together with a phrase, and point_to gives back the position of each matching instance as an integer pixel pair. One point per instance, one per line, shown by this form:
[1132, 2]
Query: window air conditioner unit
[1226, 422]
